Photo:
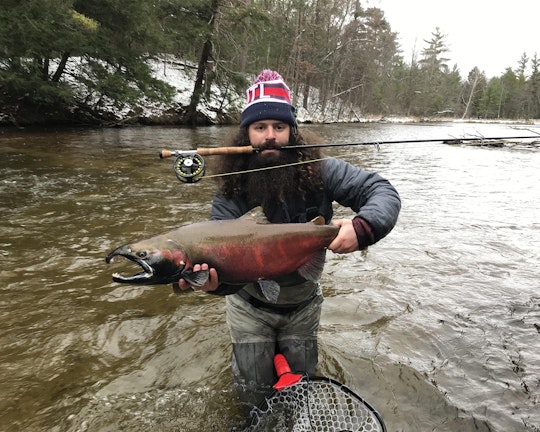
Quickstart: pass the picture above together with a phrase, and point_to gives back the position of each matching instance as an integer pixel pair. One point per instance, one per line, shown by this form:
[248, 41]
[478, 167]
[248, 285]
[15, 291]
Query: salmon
[243, 250]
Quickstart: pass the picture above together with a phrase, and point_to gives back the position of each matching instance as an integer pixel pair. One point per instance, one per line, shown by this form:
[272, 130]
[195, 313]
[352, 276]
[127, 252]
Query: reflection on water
[437, 326]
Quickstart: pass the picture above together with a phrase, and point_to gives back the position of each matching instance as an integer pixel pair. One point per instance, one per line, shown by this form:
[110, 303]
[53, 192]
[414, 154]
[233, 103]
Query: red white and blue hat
[268, 98]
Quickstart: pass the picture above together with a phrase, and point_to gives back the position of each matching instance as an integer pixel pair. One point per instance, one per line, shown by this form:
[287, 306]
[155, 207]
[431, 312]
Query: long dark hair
[307, 177]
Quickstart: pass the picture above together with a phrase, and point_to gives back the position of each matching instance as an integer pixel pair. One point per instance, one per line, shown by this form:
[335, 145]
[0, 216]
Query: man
[294, 192]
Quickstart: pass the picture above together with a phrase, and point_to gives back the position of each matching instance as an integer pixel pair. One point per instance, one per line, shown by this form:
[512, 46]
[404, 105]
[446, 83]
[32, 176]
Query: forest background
[104, 62]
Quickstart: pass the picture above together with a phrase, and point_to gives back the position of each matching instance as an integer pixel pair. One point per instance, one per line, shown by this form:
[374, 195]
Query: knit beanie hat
[268, 98]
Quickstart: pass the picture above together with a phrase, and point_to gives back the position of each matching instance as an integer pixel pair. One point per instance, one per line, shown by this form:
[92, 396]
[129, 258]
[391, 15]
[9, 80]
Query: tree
[75, 59]
[471, 91]
[522, 64]
[432, 60]
[490, 102]
[32, 35]
[191, 114]
[534, 88]
[110, 42]
[437, 81]
[118, 65]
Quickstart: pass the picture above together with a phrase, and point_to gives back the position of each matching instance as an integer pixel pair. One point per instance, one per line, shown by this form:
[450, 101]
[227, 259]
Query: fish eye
[141, 254]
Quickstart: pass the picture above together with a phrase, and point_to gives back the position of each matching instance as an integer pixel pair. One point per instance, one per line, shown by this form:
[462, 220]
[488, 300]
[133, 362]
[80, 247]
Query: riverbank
[221, 105]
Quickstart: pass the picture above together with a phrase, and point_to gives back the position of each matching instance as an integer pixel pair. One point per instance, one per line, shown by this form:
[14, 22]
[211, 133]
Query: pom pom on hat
[268, 98]
[268, 75]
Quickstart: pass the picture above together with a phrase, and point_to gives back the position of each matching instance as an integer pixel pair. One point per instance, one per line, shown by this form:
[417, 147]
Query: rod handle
[224, 150]
[165, 154]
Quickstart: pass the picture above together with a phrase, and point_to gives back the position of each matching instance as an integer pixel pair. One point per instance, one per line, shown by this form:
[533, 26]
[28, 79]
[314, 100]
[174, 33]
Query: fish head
[160, 265]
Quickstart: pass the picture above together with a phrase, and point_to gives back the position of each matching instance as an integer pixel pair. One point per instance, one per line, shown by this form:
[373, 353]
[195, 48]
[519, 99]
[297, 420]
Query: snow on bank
[181, 76]
[219, 104]
[222, 103]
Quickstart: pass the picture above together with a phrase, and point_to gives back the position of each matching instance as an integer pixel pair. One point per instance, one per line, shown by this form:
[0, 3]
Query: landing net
[315, 404]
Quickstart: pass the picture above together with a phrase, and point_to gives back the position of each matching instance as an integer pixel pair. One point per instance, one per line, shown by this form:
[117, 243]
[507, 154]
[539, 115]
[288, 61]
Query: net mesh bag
[315, 404]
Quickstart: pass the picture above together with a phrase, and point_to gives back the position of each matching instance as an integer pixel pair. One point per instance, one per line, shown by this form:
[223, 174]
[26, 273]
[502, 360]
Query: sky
[484, 33]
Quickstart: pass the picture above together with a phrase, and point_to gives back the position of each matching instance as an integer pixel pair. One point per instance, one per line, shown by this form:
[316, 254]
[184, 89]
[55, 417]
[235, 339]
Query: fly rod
[189, 164]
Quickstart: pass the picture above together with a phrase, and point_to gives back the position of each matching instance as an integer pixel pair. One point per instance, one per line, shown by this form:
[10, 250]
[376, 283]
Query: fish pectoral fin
[196, 278]
[270, 289]
[312, 270]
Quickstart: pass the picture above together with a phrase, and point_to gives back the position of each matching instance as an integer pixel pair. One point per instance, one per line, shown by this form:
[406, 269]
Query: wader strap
[268, 307]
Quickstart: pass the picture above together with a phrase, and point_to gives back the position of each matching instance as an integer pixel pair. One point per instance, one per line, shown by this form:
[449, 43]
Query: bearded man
[303, 186]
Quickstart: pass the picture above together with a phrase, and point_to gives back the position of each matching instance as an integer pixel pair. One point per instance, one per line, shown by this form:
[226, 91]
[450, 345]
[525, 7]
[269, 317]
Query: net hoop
[315, 404]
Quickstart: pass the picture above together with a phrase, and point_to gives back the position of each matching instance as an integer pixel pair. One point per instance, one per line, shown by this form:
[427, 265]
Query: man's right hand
[210, 285]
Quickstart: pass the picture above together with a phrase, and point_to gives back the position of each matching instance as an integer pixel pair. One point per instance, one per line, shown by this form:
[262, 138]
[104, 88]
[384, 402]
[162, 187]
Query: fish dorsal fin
[257, 215]
[319, 220]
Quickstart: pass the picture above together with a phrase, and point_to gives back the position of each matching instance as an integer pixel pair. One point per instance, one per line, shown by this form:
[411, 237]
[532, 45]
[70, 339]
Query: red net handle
[285, 377]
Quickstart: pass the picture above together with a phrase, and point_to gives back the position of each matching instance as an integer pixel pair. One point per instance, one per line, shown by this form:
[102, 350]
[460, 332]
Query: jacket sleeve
[368, 194]
[223, 209]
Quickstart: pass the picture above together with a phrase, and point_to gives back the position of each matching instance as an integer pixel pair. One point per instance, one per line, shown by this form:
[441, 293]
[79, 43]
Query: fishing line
[266, 168]
[349, 155]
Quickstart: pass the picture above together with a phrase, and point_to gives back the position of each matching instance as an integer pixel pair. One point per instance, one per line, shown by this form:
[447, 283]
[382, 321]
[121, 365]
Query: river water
[437, 325]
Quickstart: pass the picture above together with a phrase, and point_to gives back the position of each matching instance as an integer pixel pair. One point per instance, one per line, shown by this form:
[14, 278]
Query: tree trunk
[61, 67]
[471, 94]
[198, 89]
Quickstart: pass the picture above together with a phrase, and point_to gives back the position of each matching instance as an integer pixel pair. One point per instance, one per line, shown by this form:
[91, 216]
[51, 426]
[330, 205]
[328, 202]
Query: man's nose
[270, 134]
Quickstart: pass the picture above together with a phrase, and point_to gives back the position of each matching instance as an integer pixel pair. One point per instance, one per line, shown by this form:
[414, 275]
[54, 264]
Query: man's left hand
[346, 241]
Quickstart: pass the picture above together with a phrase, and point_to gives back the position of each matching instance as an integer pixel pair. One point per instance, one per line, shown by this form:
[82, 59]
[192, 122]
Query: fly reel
[189, 168]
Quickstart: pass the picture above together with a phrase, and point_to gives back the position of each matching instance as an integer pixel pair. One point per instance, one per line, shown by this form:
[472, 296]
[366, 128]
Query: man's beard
[270, 187]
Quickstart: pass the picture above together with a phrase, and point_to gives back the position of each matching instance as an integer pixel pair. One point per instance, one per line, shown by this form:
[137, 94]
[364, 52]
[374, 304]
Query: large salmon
[248, 249]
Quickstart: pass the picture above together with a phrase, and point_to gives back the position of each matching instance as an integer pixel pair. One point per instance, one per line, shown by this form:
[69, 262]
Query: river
[437, 326]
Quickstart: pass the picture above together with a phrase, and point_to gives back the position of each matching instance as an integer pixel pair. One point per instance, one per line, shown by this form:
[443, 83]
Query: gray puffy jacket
[368, 194]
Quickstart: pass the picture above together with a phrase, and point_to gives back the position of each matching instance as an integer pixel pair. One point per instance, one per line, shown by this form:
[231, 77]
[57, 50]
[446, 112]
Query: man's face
[267, 187]
[269, 136]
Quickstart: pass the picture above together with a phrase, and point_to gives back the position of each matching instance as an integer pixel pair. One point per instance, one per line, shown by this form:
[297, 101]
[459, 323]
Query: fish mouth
[146, 275]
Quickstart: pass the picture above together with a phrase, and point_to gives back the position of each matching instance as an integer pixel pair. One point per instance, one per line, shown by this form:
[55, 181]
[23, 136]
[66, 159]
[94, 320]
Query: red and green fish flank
[248, 249]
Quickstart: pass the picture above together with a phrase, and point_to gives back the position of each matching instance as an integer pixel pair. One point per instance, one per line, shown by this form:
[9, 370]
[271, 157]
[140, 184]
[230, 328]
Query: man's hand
[346, 241]
[210, 285]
